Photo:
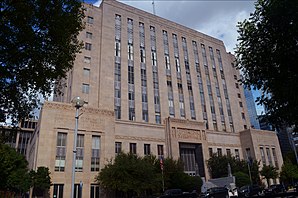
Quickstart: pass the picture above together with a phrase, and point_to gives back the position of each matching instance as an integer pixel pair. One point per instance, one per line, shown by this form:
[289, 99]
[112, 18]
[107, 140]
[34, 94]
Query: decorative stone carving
[182, 133]
[139, 138]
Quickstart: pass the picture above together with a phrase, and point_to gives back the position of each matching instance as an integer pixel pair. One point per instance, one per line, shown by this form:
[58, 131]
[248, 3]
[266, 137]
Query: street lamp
[77, 103]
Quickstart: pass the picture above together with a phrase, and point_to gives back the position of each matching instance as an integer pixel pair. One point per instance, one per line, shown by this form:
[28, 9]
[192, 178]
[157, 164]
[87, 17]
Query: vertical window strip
[95, 156]
[225, 89]
[131, 86]
[155, 75]
[200, 81]
[179, 77]
[168, 73]
[117, 69]
[60, 152]
[188, 78]
[80, 153]
[209, 88]
[143, 73]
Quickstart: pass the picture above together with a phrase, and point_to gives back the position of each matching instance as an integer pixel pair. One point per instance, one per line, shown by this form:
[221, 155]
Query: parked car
[250, 190]
[177, 193]
[216, 192]
[274, 189]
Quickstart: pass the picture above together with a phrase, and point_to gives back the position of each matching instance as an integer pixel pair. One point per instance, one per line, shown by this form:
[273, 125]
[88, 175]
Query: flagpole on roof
[153, 5]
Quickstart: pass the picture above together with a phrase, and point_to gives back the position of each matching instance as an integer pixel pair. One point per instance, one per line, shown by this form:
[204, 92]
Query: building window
[87, 59]
[58, 190]
[232, 128]
[275, 158]
[117, 112]
[89, 35]
[118, 147]
[219, 151]
[239, 95]
[133, 148]
[157, 118]
[85, 88]
[263, 155]
[130, 51]
[131, 75]
[248, 154]
[215, 126]
[245, 126]
[147, 149]
[86, 72]
[60, 152]
[210, 152]
[117, 48]
[237, 85]
[80, 153]
[95, 158]
[228, 152]
[269, 156]
[78, 191]
[90, 20]
[160, 151]
[235, 77]
[240, 104]
[237, 156]
[94, 191]
[88, 46]
[243, 116]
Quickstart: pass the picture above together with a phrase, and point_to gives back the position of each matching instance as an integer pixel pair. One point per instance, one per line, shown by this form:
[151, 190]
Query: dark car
[250, 190]
[216, 192]
[275, 189]
[177, 193]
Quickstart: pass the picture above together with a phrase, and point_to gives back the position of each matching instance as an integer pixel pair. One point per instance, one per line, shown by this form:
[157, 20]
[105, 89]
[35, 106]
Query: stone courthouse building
[151, 86]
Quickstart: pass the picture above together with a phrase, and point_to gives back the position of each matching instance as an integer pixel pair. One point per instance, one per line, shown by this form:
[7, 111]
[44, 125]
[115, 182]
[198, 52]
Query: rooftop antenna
[153, 5]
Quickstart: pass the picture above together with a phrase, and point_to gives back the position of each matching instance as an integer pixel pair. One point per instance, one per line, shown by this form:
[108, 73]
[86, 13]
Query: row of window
[58, 191]
[219, 152]
[133, 149]
[61, 152]
[271, 156]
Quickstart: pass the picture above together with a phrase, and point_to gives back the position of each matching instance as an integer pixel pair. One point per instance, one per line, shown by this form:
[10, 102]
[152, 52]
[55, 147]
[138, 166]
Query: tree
[242, 179]
[218, 167]
[174, 176]
[289, 172]
[39, 43]
[269, 172]
[130, 175]
[41, 181]
[267, 56]
[13, 171]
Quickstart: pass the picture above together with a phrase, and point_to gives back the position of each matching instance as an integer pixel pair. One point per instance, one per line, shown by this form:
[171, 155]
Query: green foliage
[40, 180]
[175, 177]
[289, 172]
[267, 56]
[218, 167]
[269, 172]
[242, 179]
[131, 174]
[13, 170]
[38, 46]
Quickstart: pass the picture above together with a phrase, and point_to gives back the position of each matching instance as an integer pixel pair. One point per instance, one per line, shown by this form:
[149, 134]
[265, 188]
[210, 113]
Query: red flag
[161, 163]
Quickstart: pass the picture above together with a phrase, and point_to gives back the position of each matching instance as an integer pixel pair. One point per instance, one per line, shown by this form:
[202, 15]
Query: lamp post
[77, 103]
